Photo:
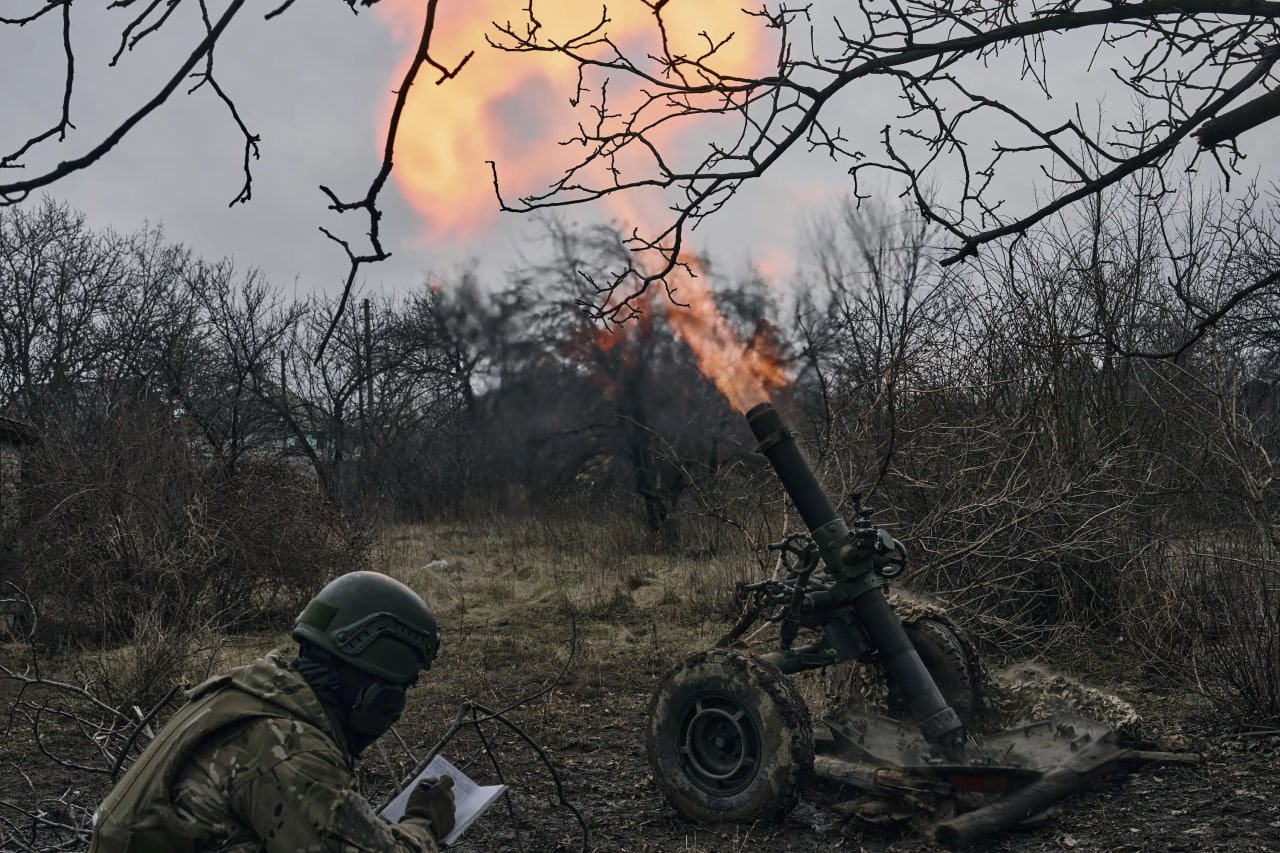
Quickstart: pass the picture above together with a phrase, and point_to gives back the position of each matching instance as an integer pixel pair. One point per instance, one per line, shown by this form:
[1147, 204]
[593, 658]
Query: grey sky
[311, 83]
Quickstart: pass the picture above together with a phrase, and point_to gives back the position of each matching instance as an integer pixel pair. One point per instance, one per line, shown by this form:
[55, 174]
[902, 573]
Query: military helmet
[372, 622]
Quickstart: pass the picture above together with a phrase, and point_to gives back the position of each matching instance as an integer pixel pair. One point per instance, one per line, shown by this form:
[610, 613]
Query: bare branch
[369, 204]
[16, 191]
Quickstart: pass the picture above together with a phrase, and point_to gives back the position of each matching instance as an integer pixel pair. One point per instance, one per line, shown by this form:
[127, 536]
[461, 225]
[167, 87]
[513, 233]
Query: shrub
[128, 526]
[1238, 628]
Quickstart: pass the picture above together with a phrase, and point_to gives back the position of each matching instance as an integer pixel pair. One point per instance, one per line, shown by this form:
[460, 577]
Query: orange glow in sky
[513, 108]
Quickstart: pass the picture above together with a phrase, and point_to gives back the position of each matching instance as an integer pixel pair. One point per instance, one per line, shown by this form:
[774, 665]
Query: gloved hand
[432, 801]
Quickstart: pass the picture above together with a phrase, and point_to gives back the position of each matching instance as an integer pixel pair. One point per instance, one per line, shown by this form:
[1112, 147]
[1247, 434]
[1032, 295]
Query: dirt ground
[629, 635]
[593, 730]
[504, 601]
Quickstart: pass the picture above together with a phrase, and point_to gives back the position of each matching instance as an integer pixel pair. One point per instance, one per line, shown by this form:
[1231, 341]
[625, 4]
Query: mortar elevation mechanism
[729, 738]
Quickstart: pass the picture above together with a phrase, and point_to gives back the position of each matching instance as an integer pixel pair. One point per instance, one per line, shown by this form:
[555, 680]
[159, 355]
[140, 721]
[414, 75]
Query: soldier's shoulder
[289, 750]
[267, 685]
[266, 709]
[268, 675]
[282, 737]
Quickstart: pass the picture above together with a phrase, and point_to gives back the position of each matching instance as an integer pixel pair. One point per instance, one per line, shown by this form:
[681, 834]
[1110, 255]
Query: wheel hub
[719, 745]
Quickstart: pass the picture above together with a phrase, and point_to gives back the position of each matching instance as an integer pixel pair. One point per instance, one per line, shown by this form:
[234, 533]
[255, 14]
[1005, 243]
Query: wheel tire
[944, 656]
[729, 739]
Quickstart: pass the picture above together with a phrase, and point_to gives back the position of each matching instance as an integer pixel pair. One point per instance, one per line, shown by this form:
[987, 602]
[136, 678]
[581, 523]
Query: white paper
[469, 799]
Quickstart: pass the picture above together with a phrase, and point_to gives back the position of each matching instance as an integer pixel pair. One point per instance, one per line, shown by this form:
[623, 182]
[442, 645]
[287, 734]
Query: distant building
[15, 438]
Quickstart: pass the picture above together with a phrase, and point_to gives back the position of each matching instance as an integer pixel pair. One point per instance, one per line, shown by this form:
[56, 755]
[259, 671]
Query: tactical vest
[139, 816]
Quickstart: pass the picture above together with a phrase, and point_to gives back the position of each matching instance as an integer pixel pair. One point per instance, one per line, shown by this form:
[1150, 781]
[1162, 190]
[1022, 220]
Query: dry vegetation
[639, 610]
[200, 473]
[1076, 431]
[505, 588]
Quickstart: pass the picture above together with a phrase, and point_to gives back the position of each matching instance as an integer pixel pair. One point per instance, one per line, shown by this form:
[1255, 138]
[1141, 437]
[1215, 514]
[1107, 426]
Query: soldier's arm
[302, 802]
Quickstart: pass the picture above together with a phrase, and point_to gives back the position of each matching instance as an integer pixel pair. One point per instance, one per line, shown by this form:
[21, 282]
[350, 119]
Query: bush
[127, 526]
[1238, 627]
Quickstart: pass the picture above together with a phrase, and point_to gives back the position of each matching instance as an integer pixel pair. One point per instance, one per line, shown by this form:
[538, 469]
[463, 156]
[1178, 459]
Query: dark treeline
[449, 395]
[1055, 481]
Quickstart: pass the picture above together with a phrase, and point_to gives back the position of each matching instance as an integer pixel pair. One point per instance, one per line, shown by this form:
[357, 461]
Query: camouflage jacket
[251, 763]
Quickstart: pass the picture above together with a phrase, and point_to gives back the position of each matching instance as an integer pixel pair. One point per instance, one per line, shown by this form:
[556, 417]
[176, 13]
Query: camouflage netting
[1019, 693]
[1025, 692]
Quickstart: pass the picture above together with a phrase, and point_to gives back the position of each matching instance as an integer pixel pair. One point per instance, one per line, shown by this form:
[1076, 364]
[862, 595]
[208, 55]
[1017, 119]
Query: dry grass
[486, 573]
[504, 590]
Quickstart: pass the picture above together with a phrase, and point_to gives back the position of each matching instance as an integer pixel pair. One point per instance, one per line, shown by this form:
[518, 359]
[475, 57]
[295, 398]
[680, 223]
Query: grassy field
[504, 593]
[512, 597]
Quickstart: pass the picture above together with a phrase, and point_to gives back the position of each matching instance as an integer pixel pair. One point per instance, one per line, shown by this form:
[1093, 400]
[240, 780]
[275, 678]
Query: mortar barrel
[784, 455]
[937, 720]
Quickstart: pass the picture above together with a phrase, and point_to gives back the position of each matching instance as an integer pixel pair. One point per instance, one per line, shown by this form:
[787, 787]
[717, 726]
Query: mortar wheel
[729, 739]
[945, 658]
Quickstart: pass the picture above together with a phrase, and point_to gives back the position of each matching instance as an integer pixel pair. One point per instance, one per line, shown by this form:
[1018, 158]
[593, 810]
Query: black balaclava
[364, 706]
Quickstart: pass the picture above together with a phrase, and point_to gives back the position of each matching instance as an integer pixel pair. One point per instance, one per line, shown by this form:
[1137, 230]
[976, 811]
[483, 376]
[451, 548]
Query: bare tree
[84, 315]
[1190, 67]
[1201, 73]
[145, 20]
[218, 371]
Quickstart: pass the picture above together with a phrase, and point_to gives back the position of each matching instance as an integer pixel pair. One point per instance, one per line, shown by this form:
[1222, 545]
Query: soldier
[261, 758]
